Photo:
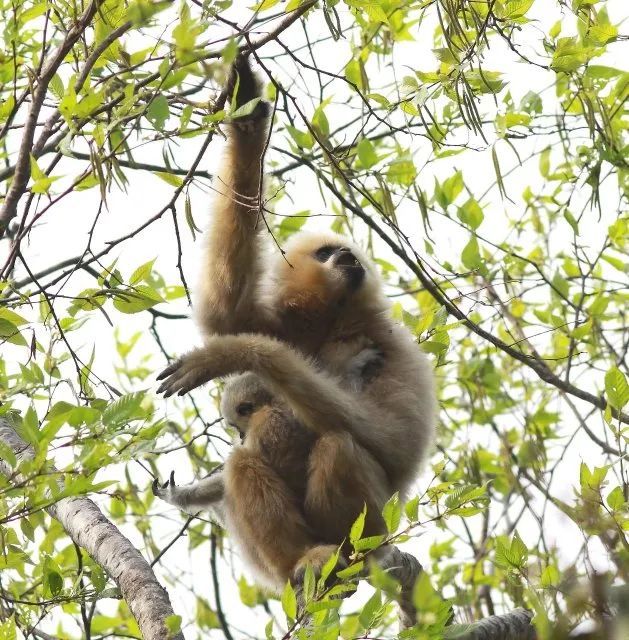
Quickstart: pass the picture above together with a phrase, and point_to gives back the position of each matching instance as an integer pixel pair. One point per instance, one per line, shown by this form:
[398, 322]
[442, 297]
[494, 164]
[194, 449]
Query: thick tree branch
[515, 625]
[90, 529]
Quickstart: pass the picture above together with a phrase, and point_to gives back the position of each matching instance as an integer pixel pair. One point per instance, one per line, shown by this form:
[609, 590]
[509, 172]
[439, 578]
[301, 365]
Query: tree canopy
[478, 150]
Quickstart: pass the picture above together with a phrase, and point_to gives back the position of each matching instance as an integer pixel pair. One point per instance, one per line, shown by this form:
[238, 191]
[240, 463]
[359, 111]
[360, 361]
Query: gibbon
[273, 439]
[297, 322]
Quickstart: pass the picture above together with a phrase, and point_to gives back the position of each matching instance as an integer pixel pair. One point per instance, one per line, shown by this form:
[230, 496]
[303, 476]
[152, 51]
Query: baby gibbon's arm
[316, 399]
[192, 498]
[230, 268]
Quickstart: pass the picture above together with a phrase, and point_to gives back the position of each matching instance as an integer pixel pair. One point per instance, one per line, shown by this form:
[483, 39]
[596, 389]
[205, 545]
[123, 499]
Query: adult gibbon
[297, 323]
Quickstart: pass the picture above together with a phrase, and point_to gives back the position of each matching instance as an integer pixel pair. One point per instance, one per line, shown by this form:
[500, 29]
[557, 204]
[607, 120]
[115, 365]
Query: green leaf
[517, 8]
[301, 138]
[601, 34]
[616, 388]
[366, 153]
[173, 624]
[10, 333]
[289, 601]
[140, 298]
[616, 499]
[357, 527]
[28, 429]
[392, 513]
[471, 214]
[411, 509]
[170, 178]
[158, 112]
[127, 407]
[470, 256]
[371, 612]
[402, 172]
[550, 576]
[569, 55]
[142, 273]
[245, 110]
[53, 581]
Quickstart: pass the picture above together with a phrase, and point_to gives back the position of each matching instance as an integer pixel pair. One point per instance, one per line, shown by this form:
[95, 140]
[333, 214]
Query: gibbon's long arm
[195, 497]
[231, 269]
[317, 400]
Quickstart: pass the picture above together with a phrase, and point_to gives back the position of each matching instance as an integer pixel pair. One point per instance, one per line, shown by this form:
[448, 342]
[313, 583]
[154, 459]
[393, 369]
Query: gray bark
[515, 625]
[90, 529]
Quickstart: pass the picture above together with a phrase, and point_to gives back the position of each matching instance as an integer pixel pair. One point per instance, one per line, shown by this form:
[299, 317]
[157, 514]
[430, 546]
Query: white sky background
[63, 233]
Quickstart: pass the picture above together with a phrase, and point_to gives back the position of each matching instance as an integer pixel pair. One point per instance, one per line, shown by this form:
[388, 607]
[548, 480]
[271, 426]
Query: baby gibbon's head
[325, 270]
[243, 396]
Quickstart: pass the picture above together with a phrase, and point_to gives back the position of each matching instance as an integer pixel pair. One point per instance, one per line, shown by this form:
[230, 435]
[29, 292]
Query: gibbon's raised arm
[230, 268]
[317, 400]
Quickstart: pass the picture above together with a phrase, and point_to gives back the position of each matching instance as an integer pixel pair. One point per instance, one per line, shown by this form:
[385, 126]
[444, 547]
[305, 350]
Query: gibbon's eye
[322, 254]
[244, 409]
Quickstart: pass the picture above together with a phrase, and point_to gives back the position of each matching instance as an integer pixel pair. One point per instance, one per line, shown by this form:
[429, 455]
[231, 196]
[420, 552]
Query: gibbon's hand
[249, 88]
[165, 490]
[187, 373]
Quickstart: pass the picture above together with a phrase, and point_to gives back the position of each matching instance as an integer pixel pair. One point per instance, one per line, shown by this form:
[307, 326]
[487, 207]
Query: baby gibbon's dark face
[342, 259]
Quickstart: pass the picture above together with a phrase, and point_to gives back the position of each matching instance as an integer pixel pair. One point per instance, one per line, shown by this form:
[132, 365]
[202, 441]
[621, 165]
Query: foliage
[478, 149]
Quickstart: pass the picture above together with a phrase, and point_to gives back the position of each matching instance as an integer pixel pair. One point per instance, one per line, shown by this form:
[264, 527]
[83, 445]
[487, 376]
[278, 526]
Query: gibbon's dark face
[342, 258]
[323, 272]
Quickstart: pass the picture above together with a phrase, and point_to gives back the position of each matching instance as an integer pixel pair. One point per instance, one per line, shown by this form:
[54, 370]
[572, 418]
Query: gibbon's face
[320, 270]
[242, 399]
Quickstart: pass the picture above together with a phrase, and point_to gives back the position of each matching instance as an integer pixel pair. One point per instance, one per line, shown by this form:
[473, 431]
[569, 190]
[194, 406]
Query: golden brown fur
[296, 322]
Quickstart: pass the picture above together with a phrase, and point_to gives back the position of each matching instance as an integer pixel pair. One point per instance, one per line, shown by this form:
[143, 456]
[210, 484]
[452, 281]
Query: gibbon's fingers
[168, 370]
[248, 83]
[187, 377]
[158, 489]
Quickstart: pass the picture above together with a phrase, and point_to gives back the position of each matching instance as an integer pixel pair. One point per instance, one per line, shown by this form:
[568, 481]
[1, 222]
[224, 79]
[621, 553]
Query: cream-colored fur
[295, 322]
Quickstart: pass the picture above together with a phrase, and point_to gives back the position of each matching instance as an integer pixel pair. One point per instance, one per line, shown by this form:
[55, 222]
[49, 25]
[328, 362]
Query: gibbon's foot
[167, 490]
[184, 375]
[405, 568]
[316, 558]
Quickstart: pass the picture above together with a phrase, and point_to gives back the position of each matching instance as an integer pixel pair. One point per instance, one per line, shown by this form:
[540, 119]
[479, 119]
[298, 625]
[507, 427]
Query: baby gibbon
[295, 322]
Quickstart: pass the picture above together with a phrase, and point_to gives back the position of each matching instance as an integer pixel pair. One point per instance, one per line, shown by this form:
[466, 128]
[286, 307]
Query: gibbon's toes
[317, 557]
[155, 487]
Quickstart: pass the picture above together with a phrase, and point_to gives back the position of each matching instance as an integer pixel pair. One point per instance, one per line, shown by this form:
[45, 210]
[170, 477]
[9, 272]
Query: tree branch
[90, 529]
[22, 166]
[515, 625]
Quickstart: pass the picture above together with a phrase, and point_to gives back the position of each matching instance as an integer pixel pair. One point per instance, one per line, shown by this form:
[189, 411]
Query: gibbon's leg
[194, 497]
[342, 479]
[264, 515]
[316, 399]
[230, 269]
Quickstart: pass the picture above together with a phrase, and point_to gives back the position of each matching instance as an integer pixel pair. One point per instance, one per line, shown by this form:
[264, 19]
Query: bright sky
[63, 232]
